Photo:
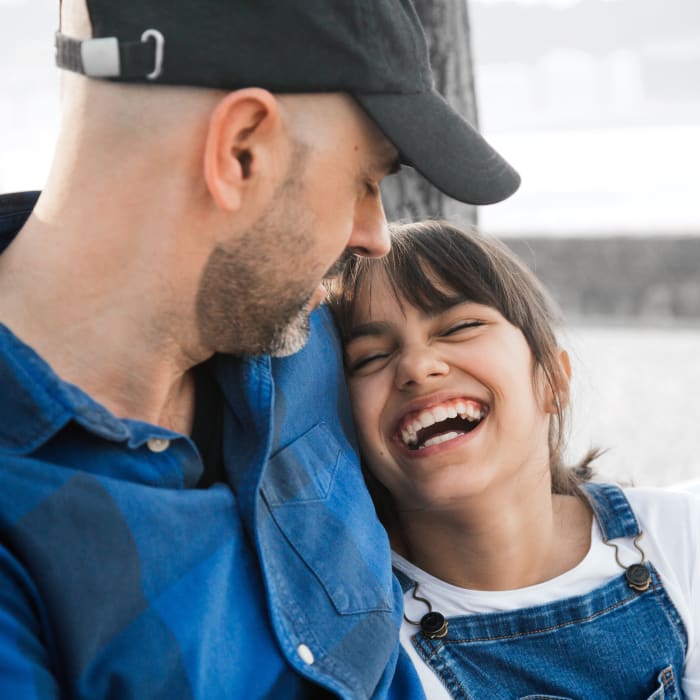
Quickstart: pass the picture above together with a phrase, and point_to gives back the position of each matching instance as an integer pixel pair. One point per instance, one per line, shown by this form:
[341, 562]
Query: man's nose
[370, 235]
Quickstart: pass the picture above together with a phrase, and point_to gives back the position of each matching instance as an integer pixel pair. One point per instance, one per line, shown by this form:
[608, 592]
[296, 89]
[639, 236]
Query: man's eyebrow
[393, 166]
[388, 160]
[369, 329]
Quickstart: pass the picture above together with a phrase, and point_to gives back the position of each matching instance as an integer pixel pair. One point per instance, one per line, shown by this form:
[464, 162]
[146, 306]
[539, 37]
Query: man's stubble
[253, 297]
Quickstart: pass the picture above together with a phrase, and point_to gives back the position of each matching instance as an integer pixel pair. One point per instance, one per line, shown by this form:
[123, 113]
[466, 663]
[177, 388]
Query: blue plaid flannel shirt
[119, 579]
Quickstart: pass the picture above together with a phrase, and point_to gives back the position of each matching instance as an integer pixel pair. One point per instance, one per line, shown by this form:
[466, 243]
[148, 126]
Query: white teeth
[439, 413]
[426, 419]
[436, 414]
[409, 437]
[440, 438]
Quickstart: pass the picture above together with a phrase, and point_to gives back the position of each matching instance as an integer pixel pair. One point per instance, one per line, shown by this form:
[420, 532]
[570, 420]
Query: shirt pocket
[304, 470]
[317, 496]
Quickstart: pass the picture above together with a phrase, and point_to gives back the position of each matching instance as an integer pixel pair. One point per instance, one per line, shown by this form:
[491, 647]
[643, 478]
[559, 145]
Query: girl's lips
[467, 409]
[435, 399]
[432, 450]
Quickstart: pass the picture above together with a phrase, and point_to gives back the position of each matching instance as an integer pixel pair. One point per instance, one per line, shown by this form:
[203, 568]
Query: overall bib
[622, 641]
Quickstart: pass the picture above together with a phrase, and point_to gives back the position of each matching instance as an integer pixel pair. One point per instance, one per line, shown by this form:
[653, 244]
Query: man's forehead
[384, 155]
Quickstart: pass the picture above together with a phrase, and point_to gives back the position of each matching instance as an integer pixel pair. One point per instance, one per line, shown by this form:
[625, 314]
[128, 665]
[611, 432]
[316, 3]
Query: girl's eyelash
[462, 326]
[364, 361]
[359, 364]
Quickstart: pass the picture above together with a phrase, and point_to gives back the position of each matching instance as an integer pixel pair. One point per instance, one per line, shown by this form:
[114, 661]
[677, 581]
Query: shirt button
[305, 654]
[158, 444]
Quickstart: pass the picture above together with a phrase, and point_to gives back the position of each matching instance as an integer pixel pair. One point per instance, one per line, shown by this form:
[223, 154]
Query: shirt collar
[36, 403]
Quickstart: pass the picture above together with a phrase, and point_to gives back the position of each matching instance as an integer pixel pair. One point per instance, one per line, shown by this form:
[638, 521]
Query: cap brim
[441, 145]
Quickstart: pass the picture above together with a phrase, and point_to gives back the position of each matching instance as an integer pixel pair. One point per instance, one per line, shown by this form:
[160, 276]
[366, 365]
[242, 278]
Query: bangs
[427, 267]
[433, 275]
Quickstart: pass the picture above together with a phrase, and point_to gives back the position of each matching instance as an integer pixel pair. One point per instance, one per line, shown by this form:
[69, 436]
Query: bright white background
[606, 132]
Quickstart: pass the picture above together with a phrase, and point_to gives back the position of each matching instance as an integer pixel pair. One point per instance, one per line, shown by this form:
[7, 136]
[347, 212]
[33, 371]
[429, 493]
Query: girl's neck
[498, 544]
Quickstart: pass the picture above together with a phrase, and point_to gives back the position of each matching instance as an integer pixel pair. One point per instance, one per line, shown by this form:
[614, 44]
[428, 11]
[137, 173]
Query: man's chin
[294, 337]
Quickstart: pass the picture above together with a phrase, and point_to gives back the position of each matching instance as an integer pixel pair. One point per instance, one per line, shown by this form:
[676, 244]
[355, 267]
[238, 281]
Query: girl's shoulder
[658, 502]
[670, 519]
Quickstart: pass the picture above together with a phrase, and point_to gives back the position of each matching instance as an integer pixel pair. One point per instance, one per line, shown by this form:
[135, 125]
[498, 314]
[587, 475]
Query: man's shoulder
[310, 385]
[321, 356]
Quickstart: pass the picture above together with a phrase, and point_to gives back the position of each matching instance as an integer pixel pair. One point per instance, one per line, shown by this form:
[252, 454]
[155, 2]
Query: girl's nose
[419, 365]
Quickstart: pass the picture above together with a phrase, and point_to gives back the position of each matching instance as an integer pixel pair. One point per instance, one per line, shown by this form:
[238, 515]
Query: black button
[638, 577]
[433, 625]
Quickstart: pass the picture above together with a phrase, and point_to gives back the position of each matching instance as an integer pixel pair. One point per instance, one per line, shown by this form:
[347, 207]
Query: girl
[521, 577]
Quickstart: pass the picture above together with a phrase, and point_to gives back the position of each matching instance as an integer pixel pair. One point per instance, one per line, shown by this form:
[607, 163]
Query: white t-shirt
[670, 522]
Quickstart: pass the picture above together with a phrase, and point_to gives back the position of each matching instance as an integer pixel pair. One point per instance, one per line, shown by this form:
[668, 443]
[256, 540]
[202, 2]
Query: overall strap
[612, 511]
[406, 582]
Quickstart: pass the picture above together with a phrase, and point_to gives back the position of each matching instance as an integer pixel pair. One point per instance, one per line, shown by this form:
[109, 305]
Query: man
[180, 515]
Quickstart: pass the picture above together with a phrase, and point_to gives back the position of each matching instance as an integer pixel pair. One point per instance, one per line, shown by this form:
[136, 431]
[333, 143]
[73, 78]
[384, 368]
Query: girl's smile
[438, 423]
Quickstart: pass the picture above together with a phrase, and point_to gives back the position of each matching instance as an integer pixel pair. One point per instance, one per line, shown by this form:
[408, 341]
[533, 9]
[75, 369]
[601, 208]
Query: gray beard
[292, 337]
[248, 302]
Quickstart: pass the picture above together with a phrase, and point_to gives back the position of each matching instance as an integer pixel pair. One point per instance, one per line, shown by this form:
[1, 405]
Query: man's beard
[292, 337]
[247, 302]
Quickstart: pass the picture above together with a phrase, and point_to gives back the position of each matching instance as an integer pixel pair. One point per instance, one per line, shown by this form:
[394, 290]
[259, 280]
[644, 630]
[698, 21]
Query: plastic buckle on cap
[100, 57]
[160, 46]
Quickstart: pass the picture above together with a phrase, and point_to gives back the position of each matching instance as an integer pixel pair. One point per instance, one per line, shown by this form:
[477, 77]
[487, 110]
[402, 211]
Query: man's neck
[100, 322]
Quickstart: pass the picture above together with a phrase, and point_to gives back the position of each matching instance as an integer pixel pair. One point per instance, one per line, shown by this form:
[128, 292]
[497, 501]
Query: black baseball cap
[373, 49]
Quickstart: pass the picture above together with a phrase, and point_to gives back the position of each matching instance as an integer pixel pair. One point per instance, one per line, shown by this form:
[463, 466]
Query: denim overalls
[614, 643]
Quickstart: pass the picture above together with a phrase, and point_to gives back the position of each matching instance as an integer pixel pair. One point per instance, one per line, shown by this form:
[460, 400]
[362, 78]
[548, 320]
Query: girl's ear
[565, 363]
[561, 381]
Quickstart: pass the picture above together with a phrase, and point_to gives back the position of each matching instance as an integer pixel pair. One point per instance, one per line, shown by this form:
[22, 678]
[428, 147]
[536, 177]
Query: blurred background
[597, 104]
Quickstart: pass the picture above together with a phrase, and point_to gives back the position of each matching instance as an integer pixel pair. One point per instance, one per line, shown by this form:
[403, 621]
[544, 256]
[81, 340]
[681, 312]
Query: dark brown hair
[432, 265]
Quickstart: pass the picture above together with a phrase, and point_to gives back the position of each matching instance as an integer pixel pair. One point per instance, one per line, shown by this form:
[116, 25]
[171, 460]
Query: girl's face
[445, 405]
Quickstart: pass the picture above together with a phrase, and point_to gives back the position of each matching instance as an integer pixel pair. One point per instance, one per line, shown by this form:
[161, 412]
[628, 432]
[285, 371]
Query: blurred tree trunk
[446, 24]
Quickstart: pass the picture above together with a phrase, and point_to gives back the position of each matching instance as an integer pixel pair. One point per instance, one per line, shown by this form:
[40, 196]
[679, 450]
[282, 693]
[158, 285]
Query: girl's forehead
[377, 296]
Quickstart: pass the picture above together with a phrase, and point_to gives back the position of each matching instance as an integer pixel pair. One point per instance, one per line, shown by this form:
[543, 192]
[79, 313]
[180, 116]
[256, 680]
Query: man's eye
[462, 326]
[372, 188]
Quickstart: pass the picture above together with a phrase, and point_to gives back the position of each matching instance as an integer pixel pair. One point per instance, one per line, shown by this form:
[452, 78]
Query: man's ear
[241, 135]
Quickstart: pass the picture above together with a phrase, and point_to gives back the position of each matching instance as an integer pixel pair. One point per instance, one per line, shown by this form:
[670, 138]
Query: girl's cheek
[366, 410]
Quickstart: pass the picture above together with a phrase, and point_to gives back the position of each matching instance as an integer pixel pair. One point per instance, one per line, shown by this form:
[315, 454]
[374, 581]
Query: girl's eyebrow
[371, 328]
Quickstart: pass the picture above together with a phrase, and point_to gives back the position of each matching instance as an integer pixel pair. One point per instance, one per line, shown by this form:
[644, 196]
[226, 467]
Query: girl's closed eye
[462, 326]
[364, 360]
